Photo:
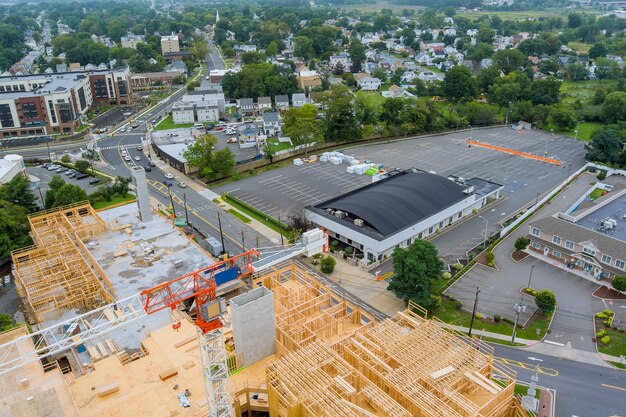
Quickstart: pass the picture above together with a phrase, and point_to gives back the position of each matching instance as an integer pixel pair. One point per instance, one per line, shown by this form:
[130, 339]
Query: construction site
[236, 337]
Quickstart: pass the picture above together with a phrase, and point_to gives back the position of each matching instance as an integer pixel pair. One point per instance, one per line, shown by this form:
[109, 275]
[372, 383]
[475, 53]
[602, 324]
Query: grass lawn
[258, 215]
[276, 146]
[582, 90]
[168, 123]
[377, 7]
[523, 390]
[586, 130]
[617, 345]
[597, 193]
[240, 216]
[580, 47]
[521, 15]
[618, 365]
[450, 314]
[116, 200]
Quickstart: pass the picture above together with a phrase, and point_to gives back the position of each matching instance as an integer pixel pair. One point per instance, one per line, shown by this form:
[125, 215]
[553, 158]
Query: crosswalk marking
[131, 145]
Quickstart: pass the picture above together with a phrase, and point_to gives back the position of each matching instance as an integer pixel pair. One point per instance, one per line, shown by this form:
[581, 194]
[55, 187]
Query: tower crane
[201, 286]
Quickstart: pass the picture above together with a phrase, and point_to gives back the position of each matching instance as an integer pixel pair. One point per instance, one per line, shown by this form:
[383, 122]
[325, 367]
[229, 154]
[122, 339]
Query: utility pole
[531, 275]
[474, 311]
[518, 308]
[282, 243]
[243, 242]
[169, 192]
[486, 231]
[257, 240]
[186, 213]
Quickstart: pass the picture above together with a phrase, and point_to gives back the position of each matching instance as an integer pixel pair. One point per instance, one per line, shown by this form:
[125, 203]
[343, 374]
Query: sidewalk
[547, 349]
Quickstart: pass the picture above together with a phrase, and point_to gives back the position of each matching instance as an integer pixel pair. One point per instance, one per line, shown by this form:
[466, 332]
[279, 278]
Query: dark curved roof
[399, 201]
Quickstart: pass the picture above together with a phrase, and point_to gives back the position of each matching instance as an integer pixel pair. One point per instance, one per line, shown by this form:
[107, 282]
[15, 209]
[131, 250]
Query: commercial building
[54, 103]
[205, 104]
[131, 40]
[10, 166]
[169, 44]
[590, 238]
[400, 208]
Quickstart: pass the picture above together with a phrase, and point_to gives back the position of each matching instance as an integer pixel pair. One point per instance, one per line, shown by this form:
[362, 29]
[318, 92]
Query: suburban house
[309, 78]
[298, 99]
[395, 92]
[271, 123]
[264, 104]
[245, 106]
[281, 103]
[342, 59]
[183, 112]
[369, 83]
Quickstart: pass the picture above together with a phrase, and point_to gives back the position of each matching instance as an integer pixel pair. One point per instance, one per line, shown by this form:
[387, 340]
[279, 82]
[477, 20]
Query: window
[589, 251]
[440, 225]
[556, 239]
[53, 115]
[556, 253]
[30, 110]
[619, 264]
[579, 263]
[535, 232]
[569, 244]
[536, 245]
[6, 117]
[606, 259]
[430, 230]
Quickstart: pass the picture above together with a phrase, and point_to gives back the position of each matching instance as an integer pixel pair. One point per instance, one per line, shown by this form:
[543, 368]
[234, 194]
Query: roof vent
[340, 214]
[358, 222]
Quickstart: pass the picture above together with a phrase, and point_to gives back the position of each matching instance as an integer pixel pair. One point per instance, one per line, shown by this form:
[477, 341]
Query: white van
[198, 126]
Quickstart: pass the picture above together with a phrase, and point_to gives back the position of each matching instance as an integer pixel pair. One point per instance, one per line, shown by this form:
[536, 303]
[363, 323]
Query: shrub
[82, 165]
[608, 312]
[349, 250]
[328, 264]
[601, 334]
[434, 302]
[318, 256]
[521, 243]
[508, 320]
[66, 159]
[605, 340]
[607, 323]
[601, 175]
[446, 275]
[534, 292]
[490, 264]
[528, 290]
[601, 316]
[458, 266]
[490, 257]
[619, 282]
[479, 316]
[334, 242]
[545, 301]
[496, 318]
[458, 304]
[621, 330]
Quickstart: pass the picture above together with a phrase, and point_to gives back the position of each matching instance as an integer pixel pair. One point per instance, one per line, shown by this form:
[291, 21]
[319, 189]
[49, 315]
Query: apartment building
[54, 103]
[169, 44]
[132, 40]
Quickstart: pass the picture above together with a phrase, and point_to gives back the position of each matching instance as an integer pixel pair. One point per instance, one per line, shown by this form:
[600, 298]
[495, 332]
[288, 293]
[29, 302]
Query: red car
[231, 140]
[220, 128]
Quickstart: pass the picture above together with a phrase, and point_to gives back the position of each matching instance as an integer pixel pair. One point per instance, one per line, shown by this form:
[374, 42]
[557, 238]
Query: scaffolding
[58, 273]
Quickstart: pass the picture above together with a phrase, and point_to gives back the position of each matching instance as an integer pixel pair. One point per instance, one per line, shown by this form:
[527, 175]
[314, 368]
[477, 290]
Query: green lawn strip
[239, 216]
[104, 178]
[498, 341]
[596, 193]
[618, 365]
[115, 200]
[523, 390]
[617, 345]
[257, 215]
[580, 47]
[585, 132]
[448, 313]
[168, 123]
[276, 146]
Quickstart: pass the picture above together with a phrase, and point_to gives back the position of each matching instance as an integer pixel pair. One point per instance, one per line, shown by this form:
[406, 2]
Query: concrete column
[254, 324]
[142, 193]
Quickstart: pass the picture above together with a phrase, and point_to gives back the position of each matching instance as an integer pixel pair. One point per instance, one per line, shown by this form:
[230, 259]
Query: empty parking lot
[288, 189]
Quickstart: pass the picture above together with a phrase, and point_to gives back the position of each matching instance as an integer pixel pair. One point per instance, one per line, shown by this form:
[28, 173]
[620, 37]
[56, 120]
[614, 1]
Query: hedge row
[262, 217]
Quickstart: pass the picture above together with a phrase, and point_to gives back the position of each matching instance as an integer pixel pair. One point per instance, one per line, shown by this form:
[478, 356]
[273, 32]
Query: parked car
[137, 158]
[168, 175]
[70, 172]
[231, 132]
[124, 153]
[52, 167]
[152, 164]
[45, 165]
[73, 174]
[94, 181]
[182, 184]
[60, 170]
[127, 158]
[198, 126]
[81, 176]
[140, 148]
[147, 168]
[231, 140]
[209, 128]
[220, 128]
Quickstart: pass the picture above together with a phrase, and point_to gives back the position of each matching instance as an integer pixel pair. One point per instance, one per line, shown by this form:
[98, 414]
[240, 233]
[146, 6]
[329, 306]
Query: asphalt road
[581, 390]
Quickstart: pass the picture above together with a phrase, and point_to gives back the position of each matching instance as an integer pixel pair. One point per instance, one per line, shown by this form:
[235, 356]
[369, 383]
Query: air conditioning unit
[608, 223]
[358, 222]
[340, 214]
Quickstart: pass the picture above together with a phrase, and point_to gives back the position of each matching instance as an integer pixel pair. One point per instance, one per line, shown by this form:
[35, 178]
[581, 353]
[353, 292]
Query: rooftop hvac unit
[340, 214]
[358, 222]
[431, 172]
[461, 180]
[608, 223]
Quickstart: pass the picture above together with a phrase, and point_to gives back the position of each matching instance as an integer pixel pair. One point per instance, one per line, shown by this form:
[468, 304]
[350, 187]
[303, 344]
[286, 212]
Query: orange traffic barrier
[513, 152]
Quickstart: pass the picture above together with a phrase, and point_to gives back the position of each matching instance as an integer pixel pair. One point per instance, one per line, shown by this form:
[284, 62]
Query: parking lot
[286, 190]
[45, 176]
[111, 117]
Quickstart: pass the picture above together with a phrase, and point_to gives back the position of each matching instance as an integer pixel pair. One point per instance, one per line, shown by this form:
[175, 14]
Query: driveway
[572, 324]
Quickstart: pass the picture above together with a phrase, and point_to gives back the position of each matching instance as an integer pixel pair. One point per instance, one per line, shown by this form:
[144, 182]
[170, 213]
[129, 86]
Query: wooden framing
[58, 273]
[334, 360]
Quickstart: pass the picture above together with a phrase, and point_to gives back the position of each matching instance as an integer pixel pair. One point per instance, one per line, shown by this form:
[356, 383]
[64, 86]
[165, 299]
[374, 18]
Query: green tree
[340, 118]
[82, 165]
[521, 243]
[563, 117]
[66, 159]
[380, 73]
[605, 146]
[303, 47]
[486, 35]
[200, 155]
[607, 69]
[576, 72]
[544, 91]
[224, 162]
[13, 228]
[357, 54]
[545, 301]
[18, 191]
[120, 186]
[302, 127]
[619, 283]
[486, 78]
[416, 268]
[598, 50]
[199, 49]
[68, 194]
[327, 264]
[509, 60]
[614, 107]
[459, 84]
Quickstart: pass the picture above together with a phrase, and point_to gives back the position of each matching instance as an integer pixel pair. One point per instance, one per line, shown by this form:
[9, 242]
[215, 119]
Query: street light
[531, 275]
[471, 131]
[486, 227]
[577, 126]
[506, 120]
[518, 308]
